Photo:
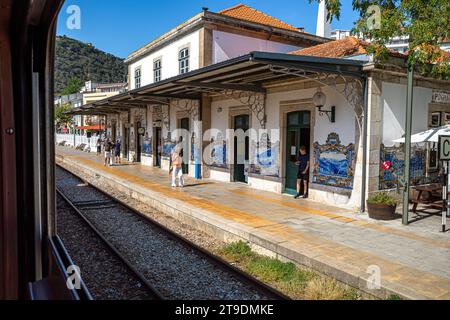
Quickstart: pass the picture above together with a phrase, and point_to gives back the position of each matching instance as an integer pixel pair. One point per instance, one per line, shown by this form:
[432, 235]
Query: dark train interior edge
[31, 263]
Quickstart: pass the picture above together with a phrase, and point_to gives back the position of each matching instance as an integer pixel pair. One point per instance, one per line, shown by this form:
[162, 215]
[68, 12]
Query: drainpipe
[407, 170]
[364, 144]
[199, 159]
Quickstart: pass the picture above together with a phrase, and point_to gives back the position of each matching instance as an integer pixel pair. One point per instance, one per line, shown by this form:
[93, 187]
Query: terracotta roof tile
[346, 47]
[335, 49]
[244, 12]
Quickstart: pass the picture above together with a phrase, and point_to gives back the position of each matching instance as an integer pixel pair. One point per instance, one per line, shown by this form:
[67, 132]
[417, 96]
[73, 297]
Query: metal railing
[77, 140]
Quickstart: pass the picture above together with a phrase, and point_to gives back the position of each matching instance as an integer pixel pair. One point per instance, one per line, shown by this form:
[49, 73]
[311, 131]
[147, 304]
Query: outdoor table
[432, 201]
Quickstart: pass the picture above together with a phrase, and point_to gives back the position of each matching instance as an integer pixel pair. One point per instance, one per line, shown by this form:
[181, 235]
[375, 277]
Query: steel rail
[215, 260]
[134, 271]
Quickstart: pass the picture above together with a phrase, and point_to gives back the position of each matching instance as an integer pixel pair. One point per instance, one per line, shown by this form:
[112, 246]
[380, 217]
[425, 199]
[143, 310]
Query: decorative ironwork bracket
[351, 88]
[192, 107]
[162, 114]
[256, 101]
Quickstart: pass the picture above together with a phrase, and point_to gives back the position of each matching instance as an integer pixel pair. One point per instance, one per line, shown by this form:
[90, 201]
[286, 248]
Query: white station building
[242, 69]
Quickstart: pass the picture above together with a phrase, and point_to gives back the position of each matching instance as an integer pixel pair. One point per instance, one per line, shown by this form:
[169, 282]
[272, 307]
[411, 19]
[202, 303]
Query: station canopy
[251, 73]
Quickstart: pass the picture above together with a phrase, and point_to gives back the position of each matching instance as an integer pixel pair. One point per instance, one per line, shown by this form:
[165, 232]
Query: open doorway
[184, 124]
[241, 149]
[138, 142]
[298, 134]
[158, 146]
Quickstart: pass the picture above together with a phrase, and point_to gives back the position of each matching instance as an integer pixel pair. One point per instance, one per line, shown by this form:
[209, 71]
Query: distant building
[75, 100]
[93, 92]
[90, 93]
[339, 34]
[97, 91]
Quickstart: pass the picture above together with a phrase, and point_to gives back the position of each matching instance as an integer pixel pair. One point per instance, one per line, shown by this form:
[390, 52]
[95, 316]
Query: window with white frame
[137, 78]
[157, 66]
[183, 60]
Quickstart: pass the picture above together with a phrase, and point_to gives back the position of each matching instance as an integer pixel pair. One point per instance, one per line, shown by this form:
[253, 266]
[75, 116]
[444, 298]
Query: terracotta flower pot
[381, 211]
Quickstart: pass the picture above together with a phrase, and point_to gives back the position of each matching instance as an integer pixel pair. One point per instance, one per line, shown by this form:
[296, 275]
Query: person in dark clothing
[303, 164]
[117, 149]
[99, 146]
[108, 152]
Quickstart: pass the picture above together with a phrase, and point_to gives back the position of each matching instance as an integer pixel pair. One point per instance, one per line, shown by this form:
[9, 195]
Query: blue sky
[122, 26]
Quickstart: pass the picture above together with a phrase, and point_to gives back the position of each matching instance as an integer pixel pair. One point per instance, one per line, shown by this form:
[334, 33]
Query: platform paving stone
[414, 260]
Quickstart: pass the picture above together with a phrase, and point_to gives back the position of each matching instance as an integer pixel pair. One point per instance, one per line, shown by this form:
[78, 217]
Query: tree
[425, 22]
[62, 119]
[74, 85]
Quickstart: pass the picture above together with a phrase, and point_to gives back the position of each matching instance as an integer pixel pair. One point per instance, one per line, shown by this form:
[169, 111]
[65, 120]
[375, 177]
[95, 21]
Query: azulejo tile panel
[334, 163]
[396, 156]
[266, 157]
[218, 152]
[147, 146]
[168, 147]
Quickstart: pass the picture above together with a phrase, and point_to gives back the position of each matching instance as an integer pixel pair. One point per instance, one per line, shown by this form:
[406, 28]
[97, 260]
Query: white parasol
[431, 135]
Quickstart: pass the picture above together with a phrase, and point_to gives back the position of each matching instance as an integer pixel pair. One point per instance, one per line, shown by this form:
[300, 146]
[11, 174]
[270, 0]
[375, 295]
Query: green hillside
[75, 59]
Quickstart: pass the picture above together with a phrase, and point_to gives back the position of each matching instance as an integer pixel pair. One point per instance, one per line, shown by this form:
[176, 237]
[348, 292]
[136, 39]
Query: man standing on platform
[303, 164]
[117, 149]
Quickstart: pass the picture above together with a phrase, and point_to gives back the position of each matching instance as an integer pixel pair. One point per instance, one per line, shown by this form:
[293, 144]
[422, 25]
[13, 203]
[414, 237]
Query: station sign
[444, 148]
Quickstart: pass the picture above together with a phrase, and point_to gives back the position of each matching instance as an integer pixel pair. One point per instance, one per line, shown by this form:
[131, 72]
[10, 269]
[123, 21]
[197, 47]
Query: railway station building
[240, 70]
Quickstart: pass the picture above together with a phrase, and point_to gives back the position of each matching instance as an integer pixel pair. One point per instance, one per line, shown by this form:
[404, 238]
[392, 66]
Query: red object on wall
[386, 165]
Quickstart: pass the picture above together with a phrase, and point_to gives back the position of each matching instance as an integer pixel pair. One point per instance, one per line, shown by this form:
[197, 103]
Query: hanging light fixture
[319, 100]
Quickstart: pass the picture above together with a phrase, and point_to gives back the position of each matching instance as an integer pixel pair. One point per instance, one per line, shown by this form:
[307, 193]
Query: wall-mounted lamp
[319, 100]
[219, 110]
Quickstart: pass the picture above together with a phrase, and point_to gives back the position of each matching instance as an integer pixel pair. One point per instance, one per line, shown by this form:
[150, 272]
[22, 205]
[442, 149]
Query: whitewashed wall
[394, 111]
[345, 117]
[225, 46]
[345, 126]
[228, 45]
[169, 60]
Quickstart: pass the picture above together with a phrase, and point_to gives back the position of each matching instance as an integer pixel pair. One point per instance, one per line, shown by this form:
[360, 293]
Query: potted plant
[381, 206]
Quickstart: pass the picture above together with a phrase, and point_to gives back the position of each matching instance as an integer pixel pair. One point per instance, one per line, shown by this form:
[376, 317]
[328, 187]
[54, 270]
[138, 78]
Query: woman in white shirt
[177, 169]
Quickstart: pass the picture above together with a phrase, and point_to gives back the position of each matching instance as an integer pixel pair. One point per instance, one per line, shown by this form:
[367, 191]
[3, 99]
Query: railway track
[173, 266]
[105, 273]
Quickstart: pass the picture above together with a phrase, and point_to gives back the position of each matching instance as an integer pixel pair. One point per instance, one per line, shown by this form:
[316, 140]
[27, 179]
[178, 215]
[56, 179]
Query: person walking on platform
[177, 168]
[117, 149]
[108, 152]
[303, 164]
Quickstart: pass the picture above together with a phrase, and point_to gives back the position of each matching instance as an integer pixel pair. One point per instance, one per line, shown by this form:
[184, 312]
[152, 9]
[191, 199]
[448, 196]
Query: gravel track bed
[176, 271]
[198, 237]
[106, 277]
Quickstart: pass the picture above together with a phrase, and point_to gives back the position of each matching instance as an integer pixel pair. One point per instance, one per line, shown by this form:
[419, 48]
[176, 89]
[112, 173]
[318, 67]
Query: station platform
[411, 262]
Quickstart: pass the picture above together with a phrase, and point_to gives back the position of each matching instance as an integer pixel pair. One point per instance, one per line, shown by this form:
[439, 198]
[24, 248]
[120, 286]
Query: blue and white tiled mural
[396, 156]
[147, 146]
[168, 147]
[334, 163]
[266, 157]
[218, 152]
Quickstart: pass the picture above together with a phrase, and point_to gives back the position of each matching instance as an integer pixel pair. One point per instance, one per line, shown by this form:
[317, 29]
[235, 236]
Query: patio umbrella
[431, 135]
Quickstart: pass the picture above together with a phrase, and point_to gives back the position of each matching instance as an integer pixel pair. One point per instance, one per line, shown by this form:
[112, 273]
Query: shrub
[382, 198]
